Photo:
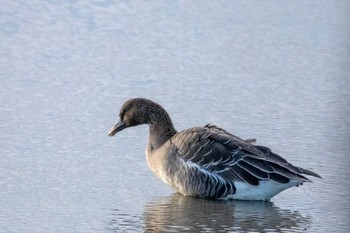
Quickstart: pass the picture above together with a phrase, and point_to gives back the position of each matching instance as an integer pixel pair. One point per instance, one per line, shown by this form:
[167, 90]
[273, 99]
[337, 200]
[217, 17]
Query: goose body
[209, 162]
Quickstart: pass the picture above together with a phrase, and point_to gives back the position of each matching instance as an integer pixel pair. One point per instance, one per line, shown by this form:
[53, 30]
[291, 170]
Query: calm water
[276, 71]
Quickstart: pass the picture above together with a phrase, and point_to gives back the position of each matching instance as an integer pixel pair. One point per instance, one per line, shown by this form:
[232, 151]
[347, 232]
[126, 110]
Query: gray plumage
[208, 161]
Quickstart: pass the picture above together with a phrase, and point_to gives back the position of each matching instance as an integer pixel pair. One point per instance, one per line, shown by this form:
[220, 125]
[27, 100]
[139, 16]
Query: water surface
[278, 72]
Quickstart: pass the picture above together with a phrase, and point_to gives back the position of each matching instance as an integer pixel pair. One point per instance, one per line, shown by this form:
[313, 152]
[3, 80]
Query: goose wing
[218, 151]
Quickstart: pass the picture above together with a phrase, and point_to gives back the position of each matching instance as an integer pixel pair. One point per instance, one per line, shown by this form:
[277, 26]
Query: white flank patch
[263, 192]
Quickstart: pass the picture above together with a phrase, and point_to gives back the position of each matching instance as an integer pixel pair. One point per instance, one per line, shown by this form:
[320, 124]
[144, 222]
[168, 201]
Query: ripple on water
[186, 214]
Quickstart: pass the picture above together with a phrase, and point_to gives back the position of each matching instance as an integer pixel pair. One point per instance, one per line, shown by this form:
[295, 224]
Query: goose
[209, 162]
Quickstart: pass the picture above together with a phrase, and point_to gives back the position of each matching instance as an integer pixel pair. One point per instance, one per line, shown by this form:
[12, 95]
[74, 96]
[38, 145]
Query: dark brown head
[141, 111]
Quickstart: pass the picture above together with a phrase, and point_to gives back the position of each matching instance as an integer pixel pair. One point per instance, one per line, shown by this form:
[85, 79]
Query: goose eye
[124, 113]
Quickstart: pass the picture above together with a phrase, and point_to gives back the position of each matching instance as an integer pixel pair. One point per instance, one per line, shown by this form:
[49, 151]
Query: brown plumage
[208, 161]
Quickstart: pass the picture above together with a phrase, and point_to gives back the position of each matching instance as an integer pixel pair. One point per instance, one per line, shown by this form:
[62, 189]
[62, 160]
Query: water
[275, 71]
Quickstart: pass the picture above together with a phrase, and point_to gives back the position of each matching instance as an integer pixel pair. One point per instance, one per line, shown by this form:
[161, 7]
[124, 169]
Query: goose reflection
[177, 213]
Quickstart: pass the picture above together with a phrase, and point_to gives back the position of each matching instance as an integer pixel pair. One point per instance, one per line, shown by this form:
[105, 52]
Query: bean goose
[209, 162]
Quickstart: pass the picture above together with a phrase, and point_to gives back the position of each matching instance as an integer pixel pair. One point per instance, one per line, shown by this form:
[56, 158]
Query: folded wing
[222, 153]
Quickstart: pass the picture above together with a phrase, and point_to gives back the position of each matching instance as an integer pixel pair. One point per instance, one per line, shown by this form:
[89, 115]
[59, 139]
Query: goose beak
[116, 128]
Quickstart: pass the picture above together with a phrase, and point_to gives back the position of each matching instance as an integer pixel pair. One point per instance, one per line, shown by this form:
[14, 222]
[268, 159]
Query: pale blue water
[276, 71]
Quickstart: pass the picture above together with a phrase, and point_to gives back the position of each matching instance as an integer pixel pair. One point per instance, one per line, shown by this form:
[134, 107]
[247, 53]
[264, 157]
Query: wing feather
[260, 174]
[220, 152]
